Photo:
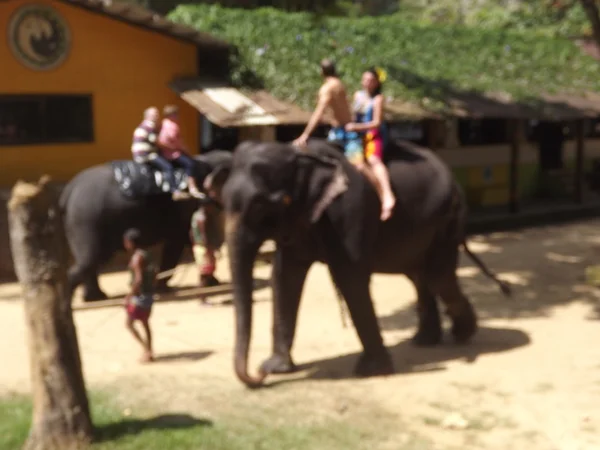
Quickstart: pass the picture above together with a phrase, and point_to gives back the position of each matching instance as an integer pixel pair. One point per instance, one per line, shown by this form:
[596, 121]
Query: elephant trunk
[242, 249]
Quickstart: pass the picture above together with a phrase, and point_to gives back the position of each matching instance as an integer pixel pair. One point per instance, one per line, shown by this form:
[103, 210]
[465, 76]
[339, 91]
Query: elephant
[96, 213]
[318, 207]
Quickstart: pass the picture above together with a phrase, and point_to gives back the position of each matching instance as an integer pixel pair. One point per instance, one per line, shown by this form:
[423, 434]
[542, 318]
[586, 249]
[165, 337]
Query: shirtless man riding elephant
[367, 130]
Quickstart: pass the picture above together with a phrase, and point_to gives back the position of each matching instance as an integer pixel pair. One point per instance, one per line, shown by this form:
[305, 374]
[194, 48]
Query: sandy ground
[530, 379]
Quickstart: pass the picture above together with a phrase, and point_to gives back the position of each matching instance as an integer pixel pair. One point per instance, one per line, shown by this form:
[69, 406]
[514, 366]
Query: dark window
[592, 128]
[214, 137]
[45, 119]
[482, 132]
[407, 131]
[287, 133]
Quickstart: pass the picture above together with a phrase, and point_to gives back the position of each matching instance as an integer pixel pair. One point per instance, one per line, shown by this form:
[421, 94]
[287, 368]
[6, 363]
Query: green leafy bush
[423, 62]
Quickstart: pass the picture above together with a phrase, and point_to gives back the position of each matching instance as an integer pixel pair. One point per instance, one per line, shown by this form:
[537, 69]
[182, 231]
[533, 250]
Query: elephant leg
[353, 283]
[459, 308]
[429, 331]
[87, 252]
[91, 287]
[288, 277]
[171, 254]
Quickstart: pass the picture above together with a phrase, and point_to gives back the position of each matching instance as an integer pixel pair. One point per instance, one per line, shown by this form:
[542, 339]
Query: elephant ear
[327, 181]
[216, 179]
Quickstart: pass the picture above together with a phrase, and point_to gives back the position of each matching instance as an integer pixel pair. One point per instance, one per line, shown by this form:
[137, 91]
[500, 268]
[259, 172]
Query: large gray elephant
[97, 212]
[318, 207]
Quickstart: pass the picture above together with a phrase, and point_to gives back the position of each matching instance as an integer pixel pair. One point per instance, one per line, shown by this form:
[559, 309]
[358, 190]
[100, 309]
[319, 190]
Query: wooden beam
[579, 157]
[515, 141]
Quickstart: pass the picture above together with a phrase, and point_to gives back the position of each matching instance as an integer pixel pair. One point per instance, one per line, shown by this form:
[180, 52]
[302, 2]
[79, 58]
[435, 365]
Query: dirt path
[530, 380]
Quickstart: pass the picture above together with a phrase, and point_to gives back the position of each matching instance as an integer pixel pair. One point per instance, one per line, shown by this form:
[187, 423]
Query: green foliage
[424, 62]
[317, 6]
[548, 17]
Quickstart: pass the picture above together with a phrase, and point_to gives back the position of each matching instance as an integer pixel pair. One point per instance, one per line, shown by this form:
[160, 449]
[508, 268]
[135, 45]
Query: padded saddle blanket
[140, 180]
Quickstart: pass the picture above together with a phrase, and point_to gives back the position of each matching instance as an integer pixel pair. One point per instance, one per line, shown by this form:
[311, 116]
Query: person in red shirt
[173, 148]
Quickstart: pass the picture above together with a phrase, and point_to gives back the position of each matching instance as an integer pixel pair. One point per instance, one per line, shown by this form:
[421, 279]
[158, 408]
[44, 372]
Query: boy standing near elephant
[138, 302]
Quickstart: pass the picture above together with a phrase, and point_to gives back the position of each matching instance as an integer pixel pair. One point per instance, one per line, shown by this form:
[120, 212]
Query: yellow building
[76, 75]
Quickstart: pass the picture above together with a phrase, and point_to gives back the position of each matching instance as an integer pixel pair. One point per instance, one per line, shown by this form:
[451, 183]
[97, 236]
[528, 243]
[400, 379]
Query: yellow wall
[125, 68]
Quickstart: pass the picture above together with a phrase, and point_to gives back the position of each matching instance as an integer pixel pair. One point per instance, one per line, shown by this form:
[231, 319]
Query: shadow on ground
[129, 427]
[544, 265]
[409, 359]
[183, 356]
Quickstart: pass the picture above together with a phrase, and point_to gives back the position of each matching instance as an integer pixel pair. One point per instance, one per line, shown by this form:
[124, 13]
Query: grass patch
[116, 431]
[425, 63]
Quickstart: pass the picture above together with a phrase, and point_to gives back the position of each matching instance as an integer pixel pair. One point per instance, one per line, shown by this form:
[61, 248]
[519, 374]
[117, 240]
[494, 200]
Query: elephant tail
[504, 286]
[460, 208]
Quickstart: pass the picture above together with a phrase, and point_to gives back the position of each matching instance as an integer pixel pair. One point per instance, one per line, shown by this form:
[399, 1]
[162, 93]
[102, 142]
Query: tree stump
[61, 417]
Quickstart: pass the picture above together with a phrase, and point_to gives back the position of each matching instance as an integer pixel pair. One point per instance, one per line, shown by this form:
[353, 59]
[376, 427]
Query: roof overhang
[227, 106]
[499, 105]
[137, 15]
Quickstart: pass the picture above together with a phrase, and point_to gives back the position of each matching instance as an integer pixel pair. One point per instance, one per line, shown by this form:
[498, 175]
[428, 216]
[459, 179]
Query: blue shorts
[351, 141]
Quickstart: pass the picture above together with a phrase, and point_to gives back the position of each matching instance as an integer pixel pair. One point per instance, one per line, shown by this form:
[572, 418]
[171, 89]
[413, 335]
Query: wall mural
[39, 37]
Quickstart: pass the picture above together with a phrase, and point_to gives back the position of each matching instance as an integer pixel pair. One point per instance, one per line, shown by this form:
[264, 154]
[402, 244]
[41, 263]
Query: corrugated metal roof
[145, 18]
[226, 106]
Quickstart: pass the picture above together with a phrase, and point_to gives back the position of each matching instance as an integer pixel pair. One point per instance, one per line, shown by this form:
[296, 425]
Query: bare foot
[178, 195]
[146, 358]
[196, 193]
[387, 207]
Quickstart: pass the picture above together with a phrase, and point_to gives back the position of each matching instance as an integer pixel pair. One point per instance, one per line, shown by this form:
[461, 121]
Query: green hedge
[423, 62]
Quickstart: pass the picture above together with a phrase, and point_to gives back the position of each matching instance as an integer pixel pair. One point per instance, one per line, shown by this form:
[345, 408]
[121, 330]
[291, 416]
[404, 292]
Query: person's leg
[353, 150]
[129, 325]
[148, 356]
[189, 165]
[374, 154]
[162, 164]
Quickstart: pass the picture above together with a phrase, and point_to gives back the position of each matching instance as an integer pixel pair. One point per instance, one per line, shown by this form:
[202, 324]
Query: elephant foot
[208, 281]
[427, 337]
[371, 366]
[94, 296]
[278, 364]
[465, 326]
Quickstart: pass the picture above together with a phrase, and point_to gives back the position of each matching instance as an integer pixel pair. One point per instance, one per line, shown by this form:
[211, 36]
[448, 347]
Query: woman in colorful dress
[368, 109]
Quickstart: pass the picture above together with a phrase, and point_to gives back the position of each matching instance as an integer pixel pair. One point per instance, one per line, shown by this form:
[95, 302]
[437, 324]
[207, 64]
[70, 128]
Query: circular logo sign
[39, 37]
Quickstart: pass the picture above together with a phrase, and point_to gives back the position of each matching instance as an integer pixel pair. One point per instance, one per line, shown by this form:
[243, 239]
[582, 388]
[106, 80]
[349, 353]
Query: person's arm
[137, 265]
[167, 137]
[178, 140]
[317, 115]
[377, 117]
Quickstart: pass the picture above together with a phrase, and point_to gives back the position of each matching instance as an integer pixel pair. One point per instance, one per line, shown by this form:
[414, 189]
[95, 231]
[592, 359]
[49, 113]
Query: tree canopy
[422, 61]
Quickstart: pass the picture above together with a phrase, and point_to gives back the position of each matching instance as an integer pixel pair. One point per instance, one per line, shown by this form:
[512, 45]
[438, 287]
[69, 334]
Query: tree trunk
[61, 417]
[593, 13]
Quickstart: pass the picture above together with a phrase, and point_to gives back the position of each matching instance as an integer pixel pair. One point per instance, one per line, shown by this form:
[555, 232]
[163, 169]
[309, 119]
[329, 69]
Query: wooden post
[515, 133]
[579, 156]
[61, 417]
